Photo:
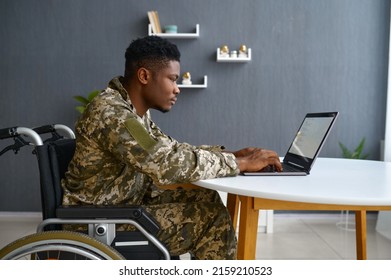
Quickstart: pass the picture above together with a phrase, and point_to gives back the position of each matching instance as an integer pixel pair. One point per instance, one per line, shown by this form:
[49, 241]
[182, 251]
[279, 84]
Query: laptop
[305, 147]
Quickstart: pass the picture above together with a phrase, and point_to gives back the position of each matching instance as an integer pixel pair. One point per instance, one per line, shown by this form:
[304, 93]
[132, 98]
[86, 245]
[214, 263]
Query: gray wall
[308, 55]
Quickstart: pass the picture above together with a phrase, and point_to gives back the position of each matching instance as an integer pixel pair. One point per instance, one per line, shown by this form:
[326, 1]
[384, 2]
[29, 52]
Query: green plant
[85, 100]
[357, 153]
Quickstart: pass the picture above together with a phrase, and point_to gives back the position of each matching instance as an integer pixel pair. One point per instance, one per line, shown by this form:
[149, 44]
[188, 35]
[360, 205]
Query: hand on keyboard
[254, 159]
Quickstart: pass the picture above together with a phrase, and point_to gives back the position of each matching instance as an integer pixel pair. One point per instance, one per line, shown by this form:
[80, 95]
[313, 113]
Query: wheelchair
[101, 240]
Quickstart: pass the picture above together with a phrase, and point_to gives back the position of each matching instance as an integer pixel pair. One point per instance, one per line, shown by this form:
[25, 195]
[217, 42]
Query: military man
[121, 156]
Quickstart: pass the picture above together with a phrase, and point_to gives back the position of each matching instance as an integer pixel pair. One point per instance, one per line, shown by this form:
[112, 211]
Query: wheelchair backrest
[53, 161]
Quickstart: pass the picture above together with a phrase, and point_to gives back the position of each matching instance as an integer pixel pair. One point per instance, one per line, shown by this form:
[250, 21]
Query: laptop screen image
[310, 136]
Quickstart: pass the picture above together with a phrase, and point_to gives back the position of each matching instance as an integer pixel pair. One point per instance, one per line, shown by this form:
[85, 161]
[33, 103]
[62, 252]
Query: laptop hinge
[295, 164]
[298, 166]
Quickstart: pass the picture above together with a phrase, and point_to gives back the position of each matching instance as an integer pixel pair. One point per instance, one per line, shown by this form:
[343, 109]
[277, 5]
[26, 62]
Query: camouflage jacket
[120, 157]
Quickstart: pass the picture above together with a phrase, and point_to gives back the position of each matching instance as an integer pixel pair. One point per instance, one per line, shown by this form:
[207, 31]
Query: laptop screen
[310, 138]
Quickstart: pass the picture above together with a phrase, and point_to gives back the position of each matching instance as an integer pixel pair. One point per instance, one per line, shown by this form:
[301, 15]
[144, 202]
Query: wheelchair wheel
[58, 245]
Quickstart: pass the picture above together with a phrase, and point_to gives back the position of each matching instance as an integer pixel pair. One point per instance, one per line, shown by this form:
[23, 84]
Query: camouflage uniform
[121, 157]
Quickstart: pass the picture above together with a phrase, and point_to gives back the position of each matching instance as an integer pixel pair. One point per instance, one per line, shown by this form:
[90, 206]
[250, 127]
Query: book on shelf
[154, 21]
[157, 21]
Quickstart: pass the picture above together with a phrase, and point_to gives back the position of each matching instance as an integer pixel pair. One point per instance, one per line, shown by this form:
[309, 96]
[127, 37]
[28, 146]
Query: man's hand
[255, 159]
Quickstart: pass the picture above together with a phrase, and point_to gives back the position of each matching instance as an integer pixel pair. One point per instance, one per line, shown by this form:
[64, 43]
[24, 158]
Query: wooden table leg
[361, 234]
[233, 208]
[248, 228]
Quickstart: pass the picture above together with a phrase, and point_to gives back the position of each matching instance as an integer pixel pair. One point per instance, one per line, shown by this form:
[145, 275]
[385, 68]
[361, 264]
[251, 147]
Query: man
[121, 155]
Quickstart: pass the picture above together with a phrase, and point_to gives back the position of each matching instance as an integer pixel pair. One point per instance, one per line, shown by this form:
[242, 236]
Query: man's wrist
[242, 163]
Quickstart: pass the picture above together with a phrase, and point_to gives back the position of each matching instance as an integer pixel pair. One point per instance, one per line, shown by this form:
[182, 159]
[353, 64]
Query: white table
[334, 184]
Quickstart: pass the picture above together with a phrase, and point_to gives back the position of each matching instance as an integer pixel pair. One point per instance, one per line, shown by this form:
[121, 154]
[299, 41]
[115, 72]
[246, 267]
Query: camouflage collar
[116, 85]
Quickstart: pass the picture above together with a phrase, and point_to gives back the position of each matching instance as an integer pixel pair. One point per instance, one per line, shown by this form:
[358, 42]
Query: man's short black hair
[151, 52]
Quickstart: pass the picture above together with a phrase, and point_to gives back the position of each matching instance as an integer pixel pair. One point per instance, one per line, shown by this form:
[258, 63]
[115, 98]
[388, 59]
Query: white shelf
[204, 85]
[176, 35]
[219, 58]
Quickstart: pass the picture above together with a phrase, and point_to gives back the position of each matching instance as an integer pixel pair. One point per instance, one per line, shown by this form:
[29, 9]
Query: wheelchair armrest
[136, 213]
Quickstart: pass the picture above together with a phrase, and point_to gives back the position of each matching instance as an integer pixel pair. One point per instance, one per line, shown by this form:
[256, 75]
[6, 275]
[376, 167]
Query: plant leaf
[345, 151]
[360, 147]
[357, 153]
[92, 95]
[82, 99]
[80, 109]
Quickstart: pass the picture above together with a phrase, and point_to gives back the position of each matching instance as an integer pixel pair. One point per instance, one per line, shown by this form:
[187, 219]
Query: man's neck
[136, 101]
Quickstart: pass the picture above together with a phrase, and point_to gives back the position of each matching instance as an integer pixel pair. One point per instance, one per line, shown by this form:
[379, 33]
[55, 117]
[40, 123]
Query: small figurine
[186, 78]
[224, 51]
[243, 51]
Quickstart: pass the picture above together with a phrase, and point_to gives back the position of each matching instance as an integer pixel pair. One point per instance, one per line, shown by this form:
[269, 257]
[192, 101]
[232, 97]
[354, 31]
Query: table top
[332, 181]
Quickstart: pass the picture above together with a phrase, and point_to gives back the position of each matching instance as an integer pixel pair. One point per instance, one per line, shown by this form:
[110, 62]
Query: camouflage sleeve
[164, 159]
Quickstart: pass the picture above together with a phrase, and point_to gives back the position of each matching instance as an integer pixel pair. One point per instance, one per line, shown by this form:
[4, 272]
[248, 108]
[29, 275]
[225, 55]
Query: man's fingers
[277, 164]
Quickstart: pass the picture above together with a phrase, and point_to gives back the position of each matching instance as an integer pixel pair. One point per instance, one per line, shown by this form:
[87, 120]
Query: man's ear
[144, 75]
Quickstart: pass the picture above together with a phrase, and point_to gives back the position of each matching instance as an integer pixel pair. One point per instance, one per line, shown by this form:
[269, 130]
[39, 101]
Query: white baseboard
[10, 215]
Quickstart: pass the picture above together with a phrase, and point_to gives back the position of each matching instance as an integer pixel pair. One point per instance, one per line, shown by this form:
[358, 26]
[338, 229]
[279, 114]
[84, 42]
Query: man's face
[163, 89]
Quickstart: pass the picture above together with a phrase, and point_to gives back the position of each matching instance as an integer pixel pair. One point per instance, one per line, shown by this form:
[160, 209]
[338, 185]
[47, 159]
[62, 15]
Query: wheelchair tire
[58, 245]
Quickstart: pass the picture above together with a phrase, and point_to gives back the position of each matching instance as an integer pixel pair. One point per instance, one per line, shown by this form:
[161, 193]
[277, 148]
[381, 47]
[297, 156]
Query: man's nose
[176, 90]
